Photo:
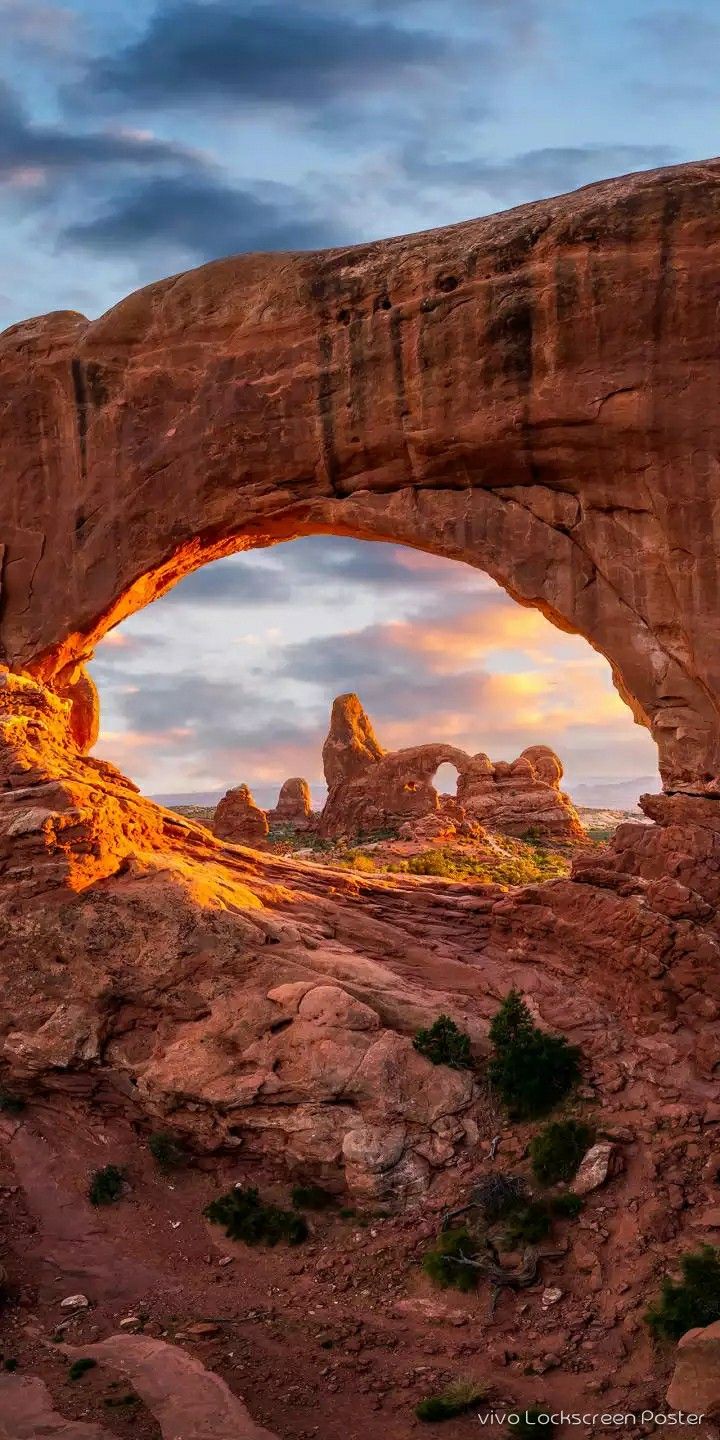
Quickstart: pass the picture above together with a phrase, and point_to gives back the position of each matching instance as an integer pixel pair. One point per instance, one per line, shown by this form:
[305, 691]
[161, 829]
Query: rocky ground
[263, 1008]
[341, 1336]
[497, 859]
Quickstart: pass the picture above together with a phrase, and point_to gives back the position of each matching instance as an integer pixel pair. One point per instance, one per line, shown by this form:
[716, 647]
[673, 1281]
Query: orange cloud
[483, 631]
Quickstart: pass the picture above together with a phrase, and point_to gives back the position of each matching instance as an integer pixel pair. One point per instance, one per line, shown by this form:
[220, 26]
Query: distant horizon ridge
[592, 793]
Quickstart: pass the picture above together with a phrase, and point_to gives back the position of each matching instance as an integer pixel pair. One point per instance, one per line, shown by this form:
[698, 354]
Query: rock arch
[536, 395]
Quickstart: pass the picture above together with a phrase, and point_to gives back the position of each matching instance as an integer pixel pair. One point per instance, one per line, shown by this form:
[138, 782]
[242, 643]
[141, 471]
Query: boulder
[695, 1384]
[600, 1163]
[187, 1400]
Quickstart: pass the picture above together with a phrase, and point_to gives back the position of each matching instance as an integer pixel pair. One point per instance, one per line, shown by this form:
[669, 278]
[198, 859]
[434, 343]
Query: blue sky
[141, 137]
[138, 138]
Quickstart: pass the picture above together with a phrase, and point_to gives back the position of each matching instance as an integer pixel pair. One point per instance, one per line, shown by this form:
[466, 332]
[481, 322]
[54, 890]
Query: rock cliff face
[533, 393]
[370, 788]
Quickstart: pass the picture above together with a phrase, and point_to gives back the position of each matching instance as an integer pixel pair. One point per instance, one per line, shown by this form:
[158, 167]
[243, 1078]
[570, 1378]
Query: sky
[142, 137]
[229, 678]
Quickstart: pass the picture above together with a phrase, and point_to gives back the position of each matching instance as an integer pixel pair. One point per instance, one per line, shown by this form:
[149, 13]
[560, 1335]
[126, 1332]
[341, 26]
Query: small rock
[551, 1296]
[226, 1260]
[130, 1322]
[601, 1163]
[203, 1330]
[75, 1302]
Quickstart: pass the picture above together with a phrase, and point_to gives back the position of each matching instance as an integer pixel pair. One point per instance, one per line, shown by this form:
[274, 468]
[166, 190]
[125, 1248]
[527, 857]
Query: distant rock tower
[351, 746]
[294, 806]
[239, 820]
[370, 788]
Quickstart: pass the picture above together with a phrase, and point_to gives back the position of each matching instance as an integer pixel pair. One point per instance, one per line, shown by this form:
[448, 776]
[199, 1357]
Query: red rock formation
[261, 1003]
[521, 797]
[535, 395]
[267, 1001]
[294, 806]
[351, 746]
[27, 1412]
[371, 789]
[695, 1385]
[82, 693]
[188, 1401]
[238, 819]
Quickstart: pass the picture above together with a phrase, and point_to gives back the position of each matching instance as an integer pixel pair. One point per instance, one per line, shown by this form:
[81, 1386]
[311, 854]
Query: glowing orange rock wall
[534, 393]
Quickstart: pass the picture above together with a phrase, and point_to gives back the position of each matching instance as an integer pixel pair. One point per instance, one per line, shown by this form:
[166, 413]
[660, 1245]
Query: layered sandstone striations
[533, 393]
[370, 788]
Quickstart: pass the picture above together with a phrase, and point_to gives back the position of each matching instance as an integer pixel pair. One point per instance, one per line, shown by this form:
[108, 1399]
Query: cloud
[232, 583]
[532, 174]
[328, 560]
[49, 151]
[373, 563]
[202, 217]
[447, 671]
[683, 48]
[682, 36]
[220, 51]
[48, 28]
[223, 733]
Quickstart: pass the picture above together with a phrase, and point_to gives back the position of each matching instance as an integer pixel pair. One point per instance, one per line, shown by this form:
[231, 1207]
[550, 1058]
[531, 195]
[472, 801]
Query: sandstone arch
[533, 393]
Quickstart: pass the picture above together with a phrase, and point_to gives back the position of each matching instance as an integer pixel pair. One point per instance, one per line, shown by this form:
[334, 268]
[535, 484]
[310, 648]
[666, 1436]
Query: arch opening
[445, 779]
[229, 679]
[504, 416]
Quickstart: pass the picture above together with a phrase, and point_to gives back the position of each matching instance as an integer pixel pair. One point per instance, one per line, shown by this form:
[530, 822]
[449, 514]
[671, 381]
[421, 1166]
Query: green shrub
[556, 1151]
[433, 862]
[246, 1217]
[528, 1223]
[106, 1185]
[456, 1399]
[311, 1197]
[10, 1103]
[692, 1301]
[442, 1263]
[80, 1367]
[530, 1426]
[530, 1069]
[167, 1151]
[444, 1044]
[566, 1206]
